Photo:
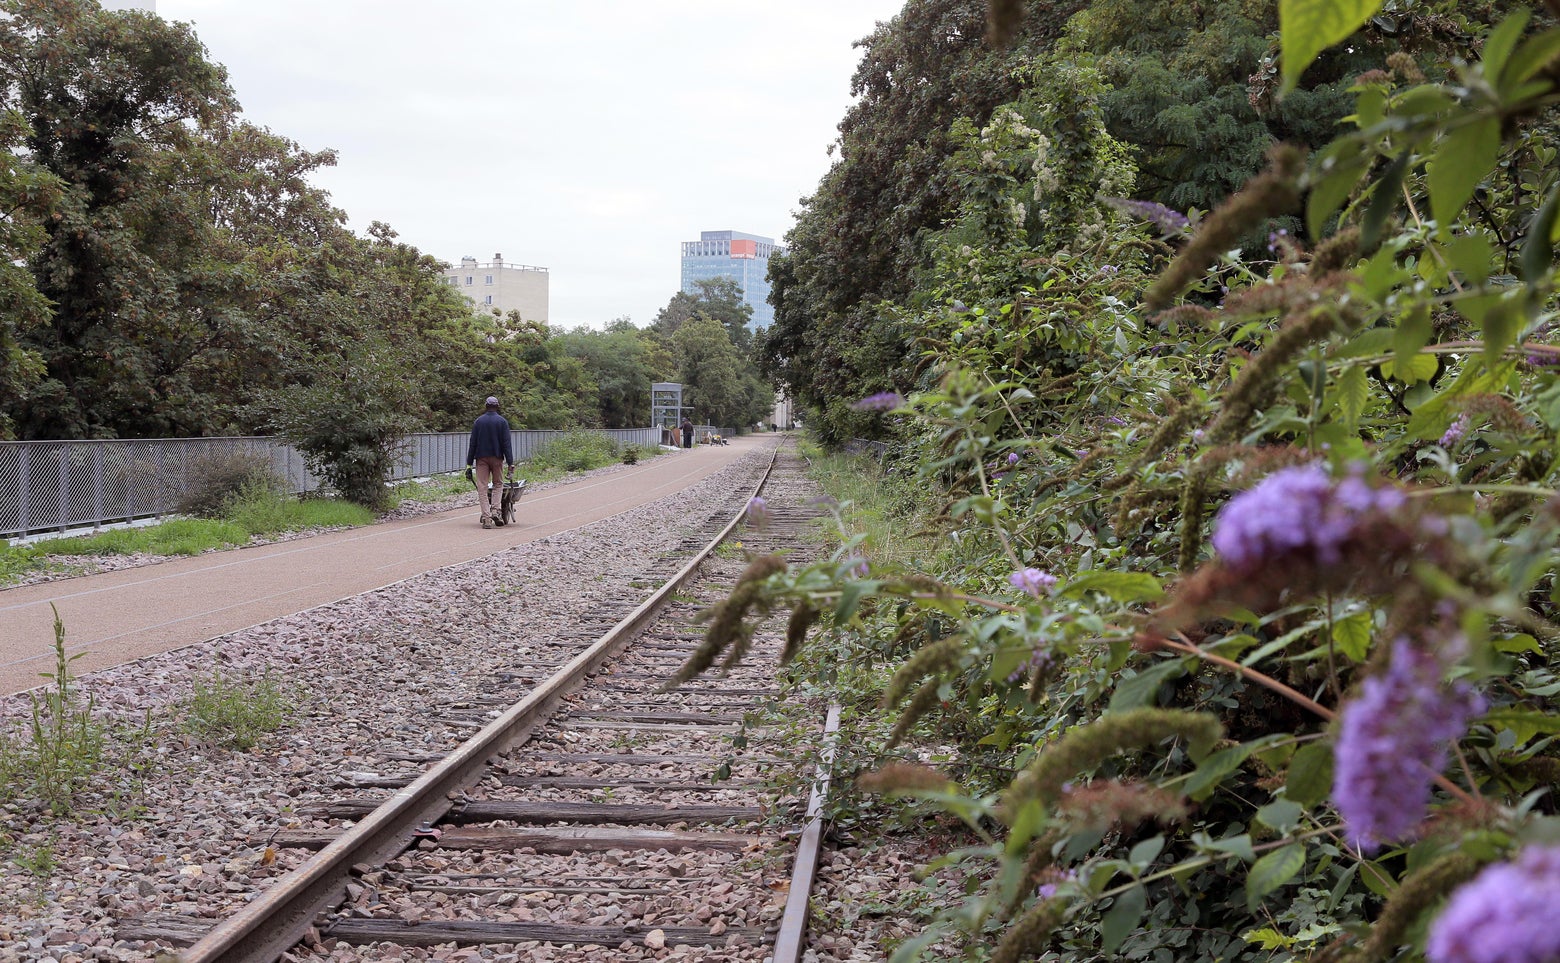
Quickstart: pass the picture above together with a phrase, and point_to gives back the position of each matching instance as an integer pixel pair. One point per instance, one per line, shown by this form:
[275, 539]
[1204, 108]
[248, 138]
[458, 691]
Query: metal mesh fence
[59, 485]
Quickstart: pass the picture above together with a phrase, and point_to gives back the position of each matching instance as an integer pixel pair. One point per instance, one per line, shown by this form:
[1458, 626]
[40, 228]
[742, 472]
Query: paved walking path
[119, 616]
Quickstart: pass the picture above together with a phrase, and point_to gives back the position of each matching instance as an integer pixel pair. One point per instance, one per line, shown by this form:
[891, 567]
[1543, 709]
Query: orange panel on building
[743, 248]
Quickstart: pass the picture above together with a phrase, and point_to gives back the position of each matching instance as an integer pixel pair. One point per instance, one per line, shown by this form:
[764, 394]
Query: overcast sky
[590, 137]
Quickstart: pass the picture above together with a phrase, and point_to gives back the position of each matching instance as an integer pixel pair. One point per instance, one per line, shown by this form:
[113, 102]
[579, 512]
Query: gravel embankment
[178, 827]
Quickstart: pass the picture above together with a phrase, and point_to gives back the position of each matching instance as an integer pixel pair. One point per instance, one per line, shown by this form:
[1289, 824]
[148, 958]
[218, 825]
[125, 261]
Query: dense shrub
[575, 451]
[218, 479]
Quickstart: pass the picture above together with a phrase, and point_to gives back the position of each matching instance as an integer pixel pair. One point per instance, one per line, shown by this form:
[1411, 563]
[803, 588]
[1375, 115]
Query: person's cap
[492, 402]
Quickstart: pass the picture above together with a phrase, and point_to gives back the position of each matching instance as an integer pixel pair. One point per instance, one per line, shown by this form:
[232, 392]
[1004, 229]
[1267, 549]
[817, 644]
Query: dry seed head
[928, 660]
[1086, 747]
[904, 777]
[1273, 192]
[802, 619]
[1028, 936]
[1418, 892]
[921, 703]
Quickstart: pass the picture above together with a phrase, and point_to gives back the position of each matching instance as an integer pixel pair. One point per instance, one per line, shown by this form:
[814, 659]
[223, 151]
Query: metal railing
[60, 485]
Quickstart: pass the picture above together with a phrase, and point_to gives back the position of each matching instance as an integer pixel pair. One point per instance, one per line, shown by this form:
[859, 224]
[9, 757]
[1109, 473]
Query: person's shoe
[487, 523]
[498, 520]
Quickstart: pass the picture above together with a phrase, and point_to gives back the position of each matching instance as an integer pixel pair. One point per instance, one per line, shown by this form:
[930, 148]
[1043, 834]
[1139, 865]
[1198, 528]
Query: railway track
[596, 814]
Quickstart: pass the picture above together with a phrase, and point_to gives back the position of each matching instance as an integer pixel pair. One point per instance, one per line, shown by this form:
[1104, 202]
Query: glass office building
[731, 254]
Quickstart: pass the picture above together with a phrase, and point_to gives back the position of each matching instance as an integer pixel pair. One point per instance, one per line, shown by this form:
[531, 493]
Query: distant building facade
[501, 286]
[150, 6]
[731, 254]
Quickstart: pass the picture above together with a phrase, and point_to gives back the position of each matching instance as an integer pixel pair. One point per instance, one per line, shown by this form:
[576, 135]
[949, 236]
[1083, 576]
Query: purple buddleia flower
[1455, 431]
[1392, 742]
[1503, 915]
[1012, 458]
[757, 512]
[1168, 221]
[882, 401]
[1032, 580]
[1298, 511]
[1040, 659]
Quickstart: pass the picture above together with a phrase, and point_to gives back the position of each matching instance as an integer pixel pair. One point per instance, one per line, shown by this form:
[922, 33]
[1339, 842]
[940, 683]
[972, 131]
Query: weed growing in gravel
[38, 860]
[62, 750]
[233, 713]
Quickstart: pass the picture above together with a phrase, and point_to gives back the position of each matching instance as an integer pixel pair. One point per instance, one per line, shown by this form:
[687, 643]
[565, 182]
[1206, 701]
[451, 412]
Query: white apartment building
[500, 286]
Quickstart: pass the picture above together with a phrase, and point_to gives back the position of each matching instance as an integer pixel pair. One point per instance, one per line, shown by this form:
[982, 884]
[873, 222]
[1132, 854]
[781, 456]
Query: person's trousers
[490, 500]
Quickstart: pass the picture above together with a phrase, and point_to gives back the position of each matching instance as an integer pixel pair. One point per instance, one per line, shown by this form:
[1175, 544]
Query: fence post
[26, 491]
[97, 485]
[64, 486]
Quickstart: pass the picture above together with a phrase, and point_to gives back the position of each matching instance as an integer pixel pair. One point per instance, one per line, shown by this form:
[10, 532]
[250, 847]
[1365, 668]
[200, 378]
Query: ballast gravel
[373, 686]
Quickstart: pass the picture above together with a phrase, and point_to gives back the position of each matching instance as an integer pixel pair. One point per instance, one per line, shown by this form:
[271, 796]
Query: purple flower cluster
[1392, 741]
[1032, 580]
[1168, 221]
[1455, 431]
[882, 401]
[1298, 510]
[757, 512]
[1503, 915]
[1041, 659]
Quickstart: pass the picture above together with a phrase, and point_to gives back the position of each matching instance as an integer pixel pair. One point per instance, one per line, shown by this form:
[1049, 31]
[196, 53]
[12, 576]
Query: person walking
[490, 451]
[687, 432]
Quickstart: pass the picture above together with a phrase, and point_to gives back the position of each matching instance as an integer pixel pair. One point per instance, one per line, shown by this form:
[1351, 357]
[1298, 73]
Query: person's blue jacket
[490, 439]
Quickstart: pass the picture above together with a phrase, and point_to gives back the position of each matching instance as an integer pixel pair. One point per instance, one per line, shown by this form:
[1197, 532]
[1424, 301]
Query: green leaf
[1352, 635]
[1139, 690]
[1384, 200]
[1500, 326]
[1501, 42]
[1122, 920]
[1368, 342]
[1471, 255]
[1281, 816]
[1420, 367]
[1413, 332]
[1146, 852]
[1307, 27]
[1125, 587]
[1461, 161]
[1309, 780]
[1353, 393]
[1529, 59]
[1272, 871]
[1538, 253]
[1328, 192]
[1523, 723]
[1519, 643]
[1215, 768]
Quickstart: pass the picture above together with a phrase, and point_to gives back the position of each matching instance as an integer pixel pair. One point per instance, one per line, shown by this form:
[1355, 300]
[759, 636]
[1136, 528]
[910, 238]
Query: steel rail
[279, 917]
[790, 940]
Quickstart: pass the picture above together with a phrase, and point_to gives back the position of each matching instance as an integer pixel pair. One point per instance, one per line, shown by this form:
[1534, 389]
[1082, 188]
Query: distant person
[687, 432]
[490, 450]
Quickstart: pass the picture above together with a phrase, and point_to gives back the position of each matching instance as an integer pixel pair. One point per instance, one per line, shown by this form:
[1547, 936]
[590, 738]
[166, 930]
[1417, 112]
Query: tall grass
[575, 451]
[255, 512]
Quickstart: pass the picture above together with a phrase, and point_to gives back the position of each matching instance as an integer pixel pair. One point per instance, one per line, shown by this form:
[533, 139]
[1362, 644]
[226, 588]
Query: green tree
[718, 298]
[27, 194]
[857, 242]
[619, 362]
[113, 104]
[718, 383]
